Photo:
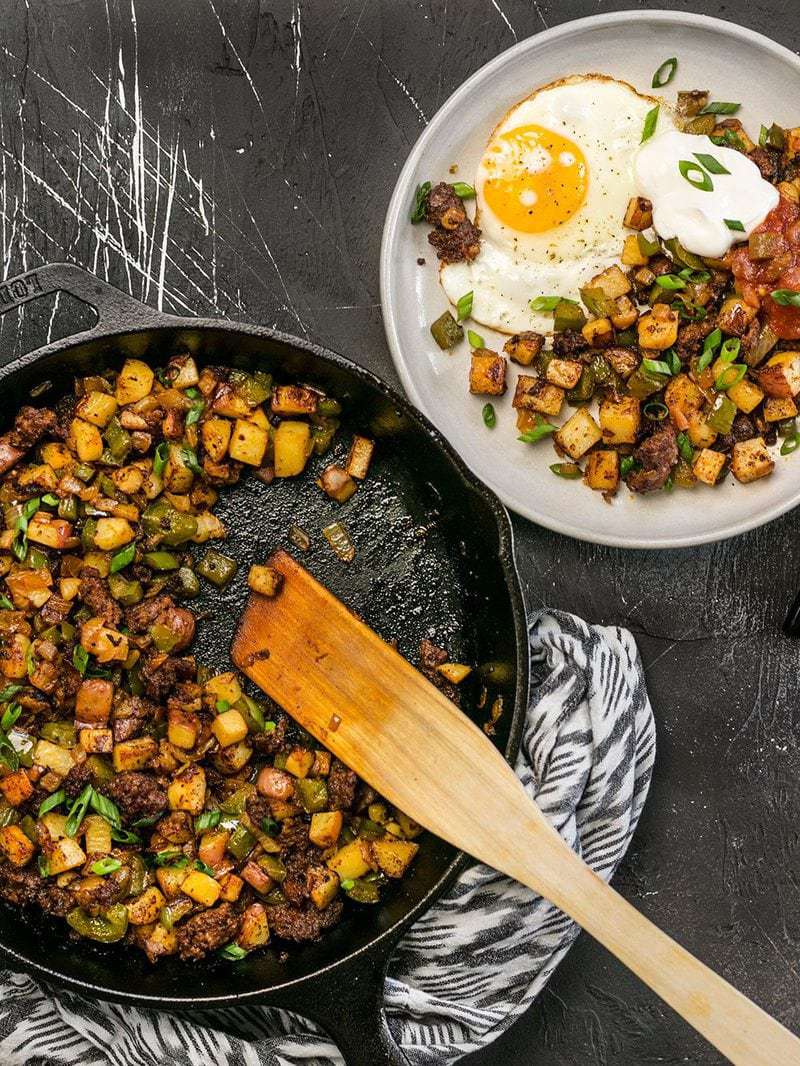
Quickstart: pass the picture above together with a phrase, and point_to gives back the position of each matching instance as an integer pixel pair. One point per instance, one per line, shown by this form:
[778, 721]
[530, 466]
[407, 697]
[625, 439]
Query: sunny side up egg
[552, 188]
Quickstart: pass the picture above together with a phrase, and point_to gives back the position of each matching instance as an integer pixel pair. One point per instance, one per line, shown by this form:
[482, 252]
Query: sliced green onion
[9, 691]
[193, 393]
[567, 470]
[531, 436]
[703, 182]
[647, 247]
[170, 857]
[670, 282]
[475, 339]
[720, 107]
[195, 411]
[10, 715]
[77, 811]
[41, 862]
[6, 603]
[106, 866]
[545, 303]
[734, 224]
[728, 139]
[711, 163]
[462, 190]
[730, 349]
[107, 808]
[124, 836]
[80, 659]
[203, 867]
[222, 706]
[650, 123]
[730, 376]
[464, 306]
[665, 73]
[207, 820]
[160, 458]
[672, 361]
[655, 410]
[55, 799]
[627, 463]
[347, 884]
[685, 447]
[489, 416]
[420, 196]
[791, 444]
[656, 366]
[50, 499]
[270, 826]
[710, 345]
[233, 952]
[786, 297]
[190, 459]
[695, 277]
[669, 484]
[123, 558]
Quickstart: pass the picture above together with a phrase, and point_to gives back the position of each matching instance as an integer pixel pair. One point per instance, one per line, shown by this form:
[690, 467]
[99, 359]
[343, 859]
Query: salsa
[779, 236]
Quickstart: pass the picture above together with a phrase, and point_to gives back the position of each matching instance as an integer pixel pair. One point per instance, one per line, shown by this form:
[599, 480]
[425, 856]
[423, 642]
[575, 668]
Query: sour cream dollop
[697, 216]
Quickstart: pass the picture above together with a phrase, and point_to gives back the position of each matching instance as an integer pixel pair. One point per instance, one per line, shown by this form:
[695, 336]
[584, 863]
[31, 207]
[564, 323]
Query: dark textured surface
[244, 168]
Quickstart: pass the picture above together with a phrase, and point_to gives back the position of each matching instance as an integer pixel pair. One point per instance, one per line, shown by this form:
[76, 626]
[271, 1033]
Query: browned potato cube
[216, 434]
[626, 313]
[598, 332]
[15, 845]
[565, 373]
[658, 330]
[613, 281]
[294, 400]
[777, 408]
[683, 399]
[620, 418]
[50, 531]
[781, 376]
[623, 360]
[336, 483]
[746, 395]
[360, 457]
[793, 142]
[16, 787]
[639, 214]
[632, 254]
[700, 433]
[523, 348]
[187, 791]
[325, 828]
[254, 928]
[96, 741]
[602, 471]
[735, 316]
[134, 754]
[708, 466]
[532, 394]
[487, 373]
[265, 580]
[578, 434]
[93, 701]
[393, 857]
[751, 460]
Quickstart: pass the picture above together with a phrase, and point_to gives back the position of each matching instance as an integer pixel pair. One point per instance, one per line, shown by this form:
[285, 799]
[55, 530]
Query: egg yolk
[536, 179]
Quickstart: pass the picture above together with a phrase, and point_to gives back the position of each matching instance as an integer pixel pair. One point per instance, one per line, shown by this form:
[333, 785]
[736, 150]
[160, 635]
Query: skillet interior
[433, 559]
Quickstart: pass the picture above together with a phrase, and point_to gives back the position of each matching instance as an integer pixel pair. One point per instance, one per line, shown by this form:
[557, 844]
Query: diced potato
[134, 382]
[216, 435]
[93, 701]
[487, 373]
[708, 466]
[409, 828]
[183, 372]
[566, 373]
[700, 432]
[178, 477]
[128, 479]
[658, 330]
[639, 214]
[231, 886]
[324, 886]
[29, 589]
[632, 255]
[602, 471]
[97, 839]
[145, 907]
[187, 791]
[265, 580]
[183, 727]
[170, 880]
[16, 787]
[53, 756]
[294, 400]
[201, 888]
[97, 741]
[50, 531]
[97, 407]
[613, 281]
[299, 762]
[224, 687]
[325, 828]
[781, 375]
[113, 533]
[793, 142]
[533, 394]
[578, 434]
[777, 408]
[134, 754]
[248, 443]
[292, 447]
[454, 672]
[393, 857]
[746, 395]
[209, 527]
[257, 877]
[259, 418]
[751, 460]
[87, 440]
[620, 419]
[322, 763]
[598, 332]
[349, 862]
[626, 313]
[99, 561]
[106, 644]
[212, 846]
[15, 845]
[57, 455]
[13, 662]
[42, 476]
[55, 824]
[361, 451]
[735, 315]
[683, 399]
[336, 483]
[156, 940]
[67, 854]
[68, 587]
[254, 929]
[229, 727]
[523, 348]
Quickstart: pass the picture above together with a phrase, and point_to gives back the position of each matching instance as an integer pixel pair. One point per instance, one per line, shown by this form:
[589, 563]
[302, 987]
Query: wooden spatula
[382, 718]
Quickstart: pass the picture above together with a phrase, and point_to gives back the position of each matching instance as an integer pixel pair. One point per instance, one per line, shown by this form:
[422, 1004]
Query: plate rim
[395, 217]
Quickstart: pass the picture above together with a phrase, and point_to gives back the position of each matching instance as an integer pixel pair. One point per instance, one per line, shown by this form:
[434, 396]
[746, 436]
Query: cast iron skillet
[434, 558]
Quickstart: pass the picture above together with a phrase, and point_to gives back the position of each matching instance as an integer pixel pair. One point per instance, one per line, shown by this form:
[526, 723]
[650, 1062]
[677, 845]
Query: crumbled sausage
[137, 795]
[207, 931]
[657, 455]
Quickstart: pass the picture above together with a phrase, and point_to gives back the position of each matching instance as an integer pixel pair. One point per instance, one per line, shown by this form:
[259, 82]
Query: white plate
[735, 64]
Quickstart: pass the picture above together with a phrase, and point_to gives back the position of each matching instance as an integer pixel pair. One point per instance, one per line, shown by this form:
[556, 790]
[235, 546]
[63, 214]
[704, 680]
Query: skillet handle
[347, 1002]
[115, 310]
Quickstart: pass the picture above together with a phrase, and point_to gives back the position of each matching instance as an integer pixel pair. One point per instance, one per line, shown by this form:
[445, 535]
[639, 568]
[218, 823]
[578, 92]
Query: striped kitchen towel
[480, 956]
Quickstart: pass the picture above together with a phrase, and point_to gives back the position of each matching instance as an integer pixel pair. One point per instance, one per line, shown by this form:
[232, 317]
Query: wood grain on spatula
[380, 716]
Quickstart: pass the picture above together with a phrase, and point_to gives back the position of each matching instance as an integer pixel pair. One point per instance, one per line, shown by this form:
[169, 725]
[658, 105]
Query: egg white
[604, 118]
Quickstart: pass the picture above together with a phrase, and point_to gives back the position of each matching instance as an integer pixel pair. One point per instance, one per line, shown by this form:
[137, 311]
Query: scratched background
[234, 157]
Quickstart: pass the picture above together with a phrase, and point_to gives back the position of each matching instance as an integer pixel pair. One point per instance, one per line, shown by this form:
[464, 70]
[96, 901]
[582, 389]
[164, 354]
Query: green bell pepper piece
[217, 568]
[107, 928]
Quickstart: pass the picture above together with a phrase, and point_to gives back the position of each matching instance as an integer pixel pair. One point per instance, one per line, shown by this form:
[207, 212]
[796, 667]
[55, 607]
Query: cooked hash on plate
[642, 257]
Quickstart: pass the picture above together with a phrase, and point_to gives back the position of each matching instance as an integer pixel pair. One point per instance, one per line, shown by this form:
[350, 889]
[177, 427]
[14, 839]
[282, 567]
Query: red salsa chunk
[771, 260]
